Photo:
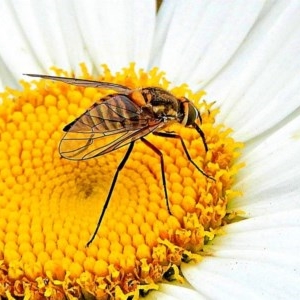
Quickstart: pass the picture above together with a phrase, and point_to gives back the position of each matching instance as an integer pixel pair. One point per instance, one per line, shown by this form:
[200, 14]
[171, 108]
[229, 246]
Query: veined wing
[86, 83]
[105, 127]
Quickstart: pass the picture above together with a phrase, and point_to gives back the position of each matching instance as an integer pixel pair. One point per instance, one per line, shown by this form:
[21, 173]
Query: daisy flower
[240, 229]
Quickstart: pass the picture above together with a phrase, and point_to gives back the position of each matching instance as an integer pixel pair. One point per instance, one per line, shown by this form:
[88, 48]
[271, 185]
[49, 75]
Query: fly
[121, 119]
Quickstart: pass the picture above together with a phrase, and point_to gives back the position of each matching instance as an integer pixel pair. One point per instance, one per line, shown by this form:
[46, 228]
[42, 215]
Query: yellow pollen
[49, 206]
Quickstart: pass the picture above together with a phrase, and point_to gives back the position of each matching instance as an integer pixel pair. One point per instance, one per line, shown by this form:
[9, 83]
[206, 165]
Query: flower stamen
[50, 206]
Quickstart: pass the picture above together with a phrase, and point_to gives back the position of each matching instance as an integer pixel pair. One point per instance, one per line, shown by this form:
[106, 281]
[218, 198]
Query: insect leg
[176, 136]
[120, 167]
[162, 165]
[201, 134]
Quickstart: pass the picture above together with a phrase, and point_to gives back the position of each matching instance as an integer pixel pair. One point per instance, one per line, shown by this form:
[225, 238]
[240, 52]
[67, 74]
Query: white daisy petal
[157, 295]
[4, 70]
[47, 34]
[43, 30]
[268, 67]
[144, 27]
[120, 36]
[72, 40]
[270, 179]
[266, 233]
[244, 258]
[214, 285]
[225, 278]
[192, 33]
[15, 50]
[171, 291]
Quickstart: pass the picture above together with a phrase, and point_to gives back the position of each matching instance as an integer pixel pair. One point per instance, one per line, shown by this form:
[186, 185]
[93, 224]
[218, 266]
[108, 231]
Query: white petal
[275, 233]
[45, 33]
[15, 51]
[170, 291]
[256, 259]
[233, 278]
[259, 87]
[42, 29]
[157, 295]
[117, 32]
[270, 179]
[215, 284]
[195, 39]
[3, 70]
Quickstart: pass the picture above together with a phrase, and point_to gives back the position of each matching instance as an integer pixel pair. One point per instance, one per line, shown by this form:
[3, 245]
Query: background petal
[15, 50]
[195, 39]
[256, 259]
[270, 180]
[117, 32]
[39, 34]
[259, 87]
[170, 291]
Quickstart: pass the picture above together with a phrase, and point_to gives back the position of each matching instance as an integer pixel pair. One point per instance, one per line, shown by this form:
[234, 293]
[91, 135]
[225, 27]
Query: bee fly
[121, 119]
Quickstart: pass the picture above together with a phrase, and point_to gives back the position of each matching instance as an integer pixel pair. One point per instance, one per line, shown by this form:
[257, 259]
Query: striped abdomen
[113, 113]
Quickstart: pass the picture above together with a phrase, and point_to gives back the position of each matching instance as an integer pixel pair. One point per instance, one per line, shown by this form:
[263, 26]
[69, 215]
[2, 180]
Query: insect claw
[210, 177]
[88, 243]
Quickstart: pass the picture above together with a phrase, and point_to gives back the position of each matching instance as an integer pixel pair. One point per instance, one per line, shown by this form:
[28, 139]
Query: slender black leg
[176, 136]
[120, 167]
[162, 166]
[201, 134]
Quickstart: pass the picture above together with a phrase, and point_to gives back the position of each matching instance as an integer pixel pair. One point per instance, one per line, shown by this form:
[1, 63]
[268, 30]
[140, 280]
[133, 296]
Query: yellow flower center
[49, 206]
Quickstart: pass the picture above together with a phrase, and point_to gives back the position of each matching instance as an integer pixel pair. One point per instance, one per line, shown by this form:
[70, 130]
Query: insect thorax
[163, 103]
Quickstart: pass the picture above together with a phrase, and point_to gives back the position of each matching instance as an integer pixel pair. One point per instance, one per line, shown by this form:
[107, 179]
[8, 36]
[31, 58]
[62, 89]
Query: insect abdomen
[112, 113]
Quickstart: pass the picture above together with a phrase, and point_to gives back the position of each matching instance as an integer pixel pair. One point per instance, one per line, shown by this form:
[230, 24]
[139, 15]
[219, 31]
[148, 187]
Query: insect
[121, 119]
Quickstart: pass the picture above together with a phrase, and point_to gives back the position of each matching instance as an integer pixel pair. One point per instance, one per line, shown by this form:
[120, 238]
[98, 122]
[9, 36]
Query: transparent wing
[86, 83]
[106, 126]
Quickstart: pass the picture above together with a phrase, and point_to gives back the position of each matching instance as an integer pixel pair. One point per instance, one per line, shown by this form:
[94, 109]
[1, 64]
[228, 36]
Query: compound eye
[193, 114]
